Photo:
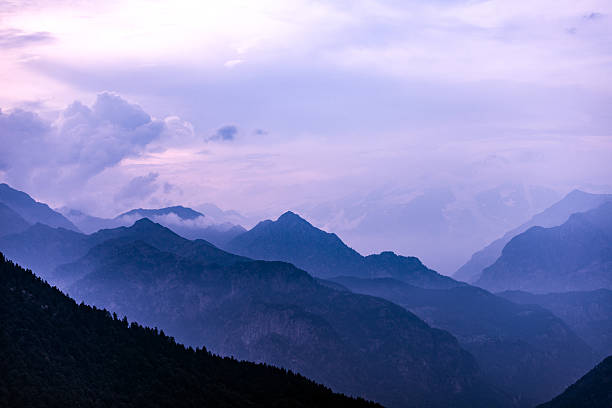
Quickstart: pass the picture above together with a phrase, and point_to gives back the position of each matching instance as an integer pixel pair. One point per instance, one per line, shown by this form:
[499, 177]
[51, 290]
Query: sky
[341, 110]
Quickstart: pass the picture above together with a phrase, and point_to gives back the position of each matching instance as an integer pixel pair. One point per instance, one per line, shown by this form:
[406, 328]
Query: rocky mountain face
[274, 312]
[293, 239]
[523, 350]
[32, 211]
[594, 390]
[557, 214]
[588, 313]
[58, 353]
[576, 255]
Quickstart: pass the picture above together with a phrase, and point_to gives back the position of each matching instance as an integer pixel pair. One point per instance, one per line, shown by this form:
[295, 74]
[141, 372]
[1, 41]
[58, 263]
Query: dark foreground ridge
[58, 353]
[594, 390]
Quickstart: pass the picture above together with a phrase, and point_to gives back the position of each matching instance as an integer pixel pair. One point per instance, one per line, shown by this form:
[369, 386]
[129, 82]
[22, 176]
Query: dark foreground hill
[524, 350]
[574, 256]
[58, 353]
[594, 390]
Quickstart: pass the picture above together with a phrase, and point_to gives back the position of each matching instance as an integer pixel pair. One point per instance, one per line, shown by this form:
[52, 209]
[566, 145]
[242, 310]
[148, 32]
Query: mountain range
[293, 239]
[58, 353]
[273, 312]
[183, 220]
[574, 202]
[576, 255]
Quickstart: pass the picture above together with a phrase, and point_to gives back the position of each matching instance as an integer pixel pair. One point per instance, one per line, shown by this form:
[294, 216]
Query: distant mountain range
[58, 353]
[183, 220]
[32, 211]
[576, 255]
[293, 239]
[594, 390]
[523, 350]
[588, 313]
[576, 201]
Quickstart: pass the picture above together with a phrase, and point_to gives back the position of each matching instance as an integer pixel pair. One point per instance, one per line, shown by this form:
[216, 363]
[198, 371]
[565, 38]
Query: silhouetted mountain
[184, 221]
[43, 248]
[594, 390]
[10, 221]
[588, 313]
[274, 312]
[557, 214]
[524, 350]
[58, 353]
[293, 239]
[574, 256]
[31, 210]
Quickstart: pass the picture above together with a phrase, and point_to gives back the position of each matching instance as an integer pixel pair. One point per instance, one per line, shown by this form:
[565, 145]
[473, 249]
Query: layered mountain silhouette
[58, 353]
[588, 313]
[293, 239]
[267, 312]
[31, 210]
[576, 201]
[576, 255]
[524, 350]
[594, 390]
[182, 220]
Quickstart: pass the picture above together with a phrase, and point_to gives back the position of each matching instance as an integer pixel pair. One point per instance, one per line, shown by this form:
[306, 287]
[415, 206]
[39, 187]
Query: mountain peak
[290, 215]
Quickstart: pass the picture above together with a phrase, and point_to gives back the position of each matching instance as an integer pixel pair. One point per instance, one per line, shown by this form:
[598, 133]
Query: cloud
[138, 189]
[82, 142]
[227, 132]
[594, 16]
[13, 38]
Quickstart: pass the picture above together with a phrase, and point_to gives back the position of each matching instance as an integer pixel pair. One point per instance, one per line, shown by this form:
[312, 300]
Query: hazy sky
[264, 106]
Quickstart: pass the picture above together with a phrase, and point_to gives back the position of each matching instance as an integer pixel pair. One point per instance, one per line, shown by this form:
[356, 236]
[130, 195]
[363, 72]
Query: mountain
[10, 221]
[588, 313]
[58, 353]
[275, 313]
[43, 248]
[292, 239]
[557, 214]
[576, 255]
[443, 225]
[594, 390]
[523, 350]
[184, 221]
[32, 211]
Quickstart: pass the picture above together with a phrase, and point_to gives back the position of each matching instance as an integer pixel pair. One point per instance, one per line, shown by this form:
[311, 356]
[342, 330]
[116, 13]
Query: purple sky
[320, 107]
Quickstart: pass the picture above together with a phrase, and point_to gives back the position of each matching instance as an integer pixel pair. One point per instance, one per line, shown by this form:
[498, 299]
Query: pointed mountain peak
[292, 217]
